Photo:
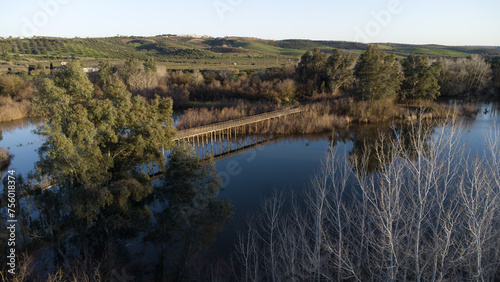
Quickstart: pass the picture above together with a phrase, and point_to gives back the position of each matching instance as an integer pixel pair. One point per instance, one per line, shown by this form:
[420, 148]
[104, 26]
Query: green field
[178, 52]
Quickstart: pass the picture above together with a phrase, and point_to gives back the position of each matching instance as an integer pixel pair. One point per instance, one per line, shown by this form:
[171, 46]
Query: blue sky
[446, 22]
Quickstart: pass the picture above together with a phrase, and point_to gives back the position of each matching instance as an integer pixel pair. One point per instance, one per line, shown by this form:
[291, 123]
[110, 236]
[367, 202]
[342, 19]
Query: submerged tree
[378, 75]
[4, 156]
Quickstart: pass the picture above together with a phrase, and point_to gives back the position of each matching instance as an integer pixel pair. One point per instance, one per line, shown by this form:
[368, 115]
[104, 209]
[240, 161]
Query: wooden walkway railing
[188, 133]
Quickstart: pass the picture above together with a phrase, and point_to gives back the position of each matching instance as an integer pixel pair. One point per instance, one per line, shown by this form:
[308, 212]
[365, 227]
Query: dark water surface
[287, 164]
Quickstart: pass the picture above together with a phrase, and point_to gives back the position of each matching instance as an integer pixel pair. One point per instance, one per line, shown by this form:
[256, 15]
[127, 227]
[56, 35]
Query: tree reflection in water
[374, 144]
[190, 218]
[179, 219]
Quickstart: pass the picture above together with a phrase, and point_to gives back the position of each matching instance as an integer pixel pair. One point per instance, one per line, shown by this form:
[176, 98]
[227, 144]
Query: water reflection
[189, 218]
[179, 218]
[22, 143]
[373, 144]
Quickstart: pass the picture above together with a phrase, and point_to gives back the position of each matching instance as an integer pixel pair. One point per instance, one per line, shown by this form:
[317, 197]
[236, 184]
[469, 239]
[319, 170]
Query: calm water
[286, 165]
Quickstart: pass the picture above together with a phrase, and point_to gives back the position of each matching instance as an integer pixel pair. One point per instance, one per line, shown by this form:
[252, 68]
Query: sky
[445, 22]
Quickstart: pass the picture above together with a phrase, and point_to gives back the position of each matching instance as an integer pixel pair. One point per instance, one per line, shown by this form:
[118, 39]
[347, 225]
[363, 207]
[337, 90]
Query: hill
[188, 52]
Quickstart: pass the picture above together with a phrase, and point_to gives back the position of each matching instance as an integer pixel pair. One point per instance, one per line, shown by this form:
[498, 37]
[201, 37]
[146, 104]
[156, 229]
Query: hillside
[187, 52]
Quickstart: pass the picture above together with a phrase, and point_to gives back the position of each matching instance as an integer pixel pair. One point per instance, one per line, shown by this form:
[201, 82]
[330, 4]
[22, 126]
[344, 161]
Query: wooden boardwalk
[207, 129]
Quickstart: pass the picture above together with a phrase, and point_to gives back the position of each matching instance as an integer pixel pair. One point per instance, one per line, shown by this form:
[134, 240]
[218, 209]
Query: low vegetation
[195, 117]
[323, 116]
[12, 110]
[15, 97]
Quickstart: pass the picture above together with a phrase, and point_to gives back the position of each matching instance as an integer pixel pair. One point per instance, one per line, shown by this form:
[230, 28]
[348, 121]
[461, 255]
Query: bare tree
[428, 214]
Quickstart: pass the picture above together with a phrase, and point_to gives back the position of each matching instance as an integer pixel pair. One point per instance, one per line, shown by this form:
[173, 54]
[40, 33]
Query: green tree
[93, 151]
[150, 65]
[130, 68]
[420, 78]
[338, 70]
[5, 47]
[378, 75]
[310, 68]
[106, 72]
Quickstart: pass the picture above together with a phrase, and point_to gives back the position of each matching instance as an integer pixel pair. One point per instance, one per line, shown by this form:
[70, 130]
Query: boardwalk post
[220, 142]
[215, 143]
[197, 145]
[203, 145]
[212, 143]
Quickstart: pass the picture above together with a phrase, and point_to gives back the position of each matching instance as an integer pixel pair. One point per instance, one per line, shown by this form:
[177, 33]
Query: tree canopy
[325, 72]
[338, 70]
[420, 78]
[96, 143]
[94, 146]
[378, 75]
[311, 66]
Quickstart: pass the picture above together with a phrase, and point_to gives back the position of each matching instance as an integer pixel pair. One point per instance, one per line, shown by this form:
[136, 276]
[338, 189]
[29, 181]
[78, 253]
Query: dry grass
[12, 110]
[469, 109]
[324, 116]
[368, 112]
[195, 117]
[308, 122]
[319, 118]
[383, 111]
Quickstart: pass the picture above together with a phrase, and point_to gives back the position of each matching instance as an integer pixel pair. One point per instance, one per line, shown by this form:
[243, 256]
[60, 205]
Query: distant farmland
[178, 52]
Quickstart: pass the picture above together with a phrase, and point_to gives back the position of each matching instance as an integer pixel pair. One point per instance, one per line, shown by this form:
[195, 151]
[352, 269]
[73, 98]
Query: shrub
[15, 87]
[11, 110]
[5, 158]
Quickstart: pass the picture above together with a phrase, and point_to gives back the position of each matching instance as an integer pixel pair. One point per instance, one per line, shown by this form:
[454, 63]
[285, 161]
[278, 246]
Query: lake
[287, 164]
